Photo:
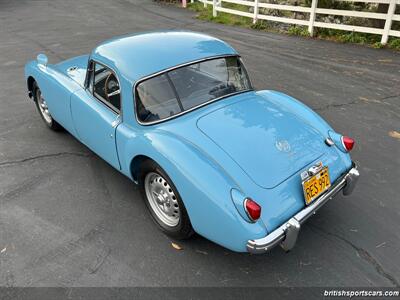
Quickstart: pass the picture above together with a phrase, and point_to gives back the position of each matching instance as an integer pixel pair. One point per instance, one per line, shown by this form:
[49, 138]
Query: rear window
[156, 99]
[184, 88]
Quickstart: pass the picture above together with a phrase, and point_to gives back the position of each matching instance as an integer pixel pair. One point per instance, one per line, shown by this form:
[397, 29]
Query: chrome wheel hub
[44, 110]
[162, 199]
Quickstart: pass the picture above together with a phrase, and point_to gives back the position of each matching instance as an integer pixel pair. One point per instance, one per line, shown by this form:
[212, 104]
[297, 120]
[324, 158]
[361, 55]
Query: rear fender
[300, 109]
[308, 115]
[204, 186]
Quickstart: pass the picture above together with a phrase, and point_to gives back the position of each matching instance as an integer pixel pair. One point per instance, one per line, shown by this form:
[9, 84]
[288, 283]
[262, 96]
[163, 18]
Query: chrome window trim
[139, 81]
[115, 110]
[86, 83]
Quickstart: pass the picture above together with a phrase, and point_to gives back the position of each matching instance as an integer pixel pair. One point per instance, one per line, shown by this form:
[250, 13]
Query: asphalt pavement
[67, 218]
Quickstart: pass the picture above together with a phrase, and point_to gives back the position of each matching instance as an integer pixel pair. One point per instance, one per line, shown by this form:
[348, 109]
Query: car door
[96, 112]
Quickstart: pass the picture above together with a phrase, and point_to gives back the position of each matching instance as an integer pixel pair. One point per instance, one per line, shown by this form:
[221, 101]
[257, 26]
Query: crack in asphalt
[337, 105]
[389, 97]
[363, 254]
[22, 187]
[67, 249]
[100, 261]
[13, 162]
[358, 101]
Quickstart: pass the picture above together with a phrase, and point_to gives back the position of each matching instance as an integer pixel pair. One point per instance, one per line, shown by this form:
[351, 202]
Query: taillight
[348, 143]
[252, 209]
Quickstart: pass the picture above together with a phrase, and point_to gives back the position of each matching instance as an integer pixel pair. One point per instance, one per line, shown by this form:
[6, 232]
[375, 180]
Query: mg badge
[283, 145]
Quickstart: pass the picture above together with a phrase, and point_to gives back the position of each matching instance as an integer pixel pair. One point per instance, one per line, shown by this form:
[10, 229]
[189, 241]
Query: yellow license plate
[316, 185]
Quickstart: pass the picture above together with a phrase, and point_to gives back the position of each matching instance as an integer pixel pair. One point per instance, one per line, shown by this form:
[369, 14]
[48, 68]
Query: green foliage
[348, 36]
[204, 13]
[234, 6]
[228, 19]
[377, 45]
[222, 18]
[358, 38]
[394, 43]
[196, 6]
[325, 33]
[353, 37]
[298, 30]
[261, 25]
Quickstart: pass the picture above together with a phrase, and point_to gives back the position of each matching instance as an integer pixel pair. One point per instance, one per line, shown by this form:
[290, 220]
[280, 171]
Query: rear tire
[43, 110]
[164, 202]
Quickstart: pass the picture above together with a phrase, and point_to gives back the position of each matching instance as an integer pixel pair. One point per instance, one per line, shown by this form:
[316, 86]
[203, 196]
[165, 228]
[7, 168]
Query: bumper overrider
[286, 234]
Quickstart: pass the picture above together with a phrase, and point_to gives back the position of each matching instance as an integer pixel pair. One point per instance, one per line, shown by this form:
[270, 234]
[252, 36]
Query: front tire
[43, 110]
[164, 202]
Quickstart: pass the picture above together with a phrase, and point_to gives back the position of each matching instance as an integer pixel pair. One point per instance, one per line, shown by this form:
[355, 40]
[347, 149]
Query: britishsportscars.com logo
[361, 293]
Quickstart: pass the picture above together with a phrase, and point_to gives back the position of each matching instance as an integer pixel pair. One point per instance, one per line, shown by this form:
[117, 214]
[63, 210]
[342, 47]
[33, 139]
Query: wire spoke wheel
[162, 199]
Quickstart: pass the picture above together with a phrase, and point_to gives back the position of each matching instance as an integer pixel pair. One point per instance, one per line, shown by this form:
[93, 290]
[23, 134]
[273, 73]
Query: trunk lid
[269, 143]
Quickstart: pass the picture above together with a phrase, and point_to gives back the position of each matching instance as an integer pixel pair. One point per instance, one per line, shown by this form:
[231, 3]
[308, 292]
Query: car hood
[268, 142]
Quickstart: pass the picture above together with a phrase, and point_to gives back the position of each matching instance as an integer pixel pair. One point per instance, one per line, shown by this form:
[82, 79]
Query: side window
[105, 86]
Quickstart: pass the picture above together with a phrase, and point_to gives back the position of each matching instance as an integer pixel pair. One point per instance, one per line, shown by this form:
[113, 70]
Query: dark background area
[69, 219]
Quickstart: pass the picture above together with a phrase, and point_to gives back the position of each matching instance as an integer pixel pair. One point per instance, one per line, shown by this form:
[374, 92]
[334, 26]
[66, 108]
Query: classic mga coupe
[176, 113]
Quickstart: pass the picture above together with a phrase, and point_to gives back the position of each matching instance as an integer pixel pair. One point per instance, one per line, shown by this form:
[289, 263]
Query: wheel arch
[30, 82]
[202, 183]
[135, 164]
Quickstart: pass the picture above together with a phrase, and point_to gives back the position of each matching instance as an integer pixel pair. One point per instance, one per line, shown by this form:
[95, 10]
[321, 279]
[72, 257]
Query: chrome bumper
[286, 234]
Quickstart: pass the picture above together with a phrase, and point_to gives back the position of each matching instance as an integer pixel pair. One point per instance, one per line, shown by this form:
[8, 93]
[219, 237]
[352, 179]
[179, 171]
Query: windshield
[184, 88]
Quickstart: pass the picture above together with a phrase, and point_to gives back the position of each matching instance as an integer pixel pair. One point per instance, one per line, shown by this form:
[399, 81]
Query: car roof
[140, 55]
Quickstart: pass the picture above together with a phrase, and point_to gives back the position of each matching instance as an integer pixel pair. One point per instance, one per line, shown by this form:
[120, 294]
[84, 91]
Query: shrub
[326, 33]
[298, 30]
[261, 25]
[394, 43]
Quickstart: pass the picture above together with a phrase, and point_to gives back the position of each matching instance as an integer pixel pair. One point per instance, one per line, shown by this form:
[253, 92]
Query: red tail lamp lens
[252, 209]
[348, 143]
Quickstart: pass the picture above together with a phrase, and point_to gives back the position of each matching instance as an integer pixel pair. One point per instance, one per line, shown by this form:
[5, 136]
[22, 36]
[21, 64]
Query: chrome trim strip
[286, 234]
[343, 145]
[195, 107]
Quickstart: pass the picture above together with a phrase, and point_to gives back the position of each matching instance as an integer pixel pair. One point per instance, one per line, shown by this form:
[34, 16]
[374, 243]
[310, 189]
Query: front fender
[56, 88]
[204, 186]
[33, 71]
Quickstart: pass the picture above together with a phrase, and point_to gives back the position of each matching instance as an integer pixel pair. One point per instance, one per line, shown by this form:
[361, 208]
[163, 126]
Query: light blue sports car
[176, 113]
